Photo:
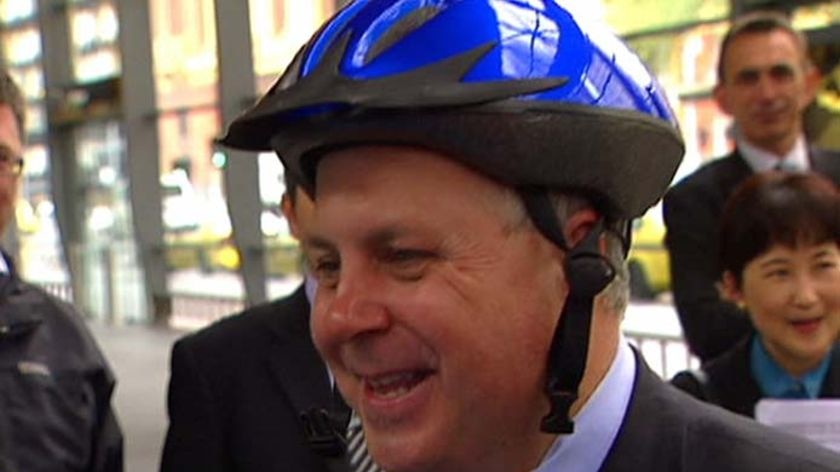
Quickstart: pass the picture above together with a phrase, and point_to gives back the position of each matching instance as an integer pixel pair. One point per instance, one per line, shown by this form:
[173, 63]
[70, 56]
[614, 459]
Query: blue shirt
[598, 422]
[310, 286]
[775, 382]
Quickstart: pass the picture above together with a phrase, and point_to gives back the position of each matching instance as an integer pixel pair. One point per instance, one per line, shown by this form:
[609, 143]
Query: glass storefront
[107, 256]
[278, 30]
[40, 256]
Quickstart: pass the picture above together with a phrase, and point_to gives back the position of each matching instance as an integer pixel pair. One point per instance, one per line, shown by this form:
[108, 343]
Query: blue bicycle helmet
[520, 90]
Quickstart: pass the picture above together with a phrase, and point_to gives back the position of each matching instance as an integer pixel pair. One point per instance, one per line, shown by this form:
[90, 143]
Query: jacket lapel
[293, 360]
[301, 375]
[826, 163]
[831, 384]
[651, 431]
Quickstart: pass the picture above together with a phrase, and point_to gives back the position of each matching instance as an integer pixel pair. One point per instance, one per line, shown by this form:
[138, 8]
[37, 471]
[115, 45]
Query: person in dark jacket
[55, 385]
[780, 249]
[765, 81]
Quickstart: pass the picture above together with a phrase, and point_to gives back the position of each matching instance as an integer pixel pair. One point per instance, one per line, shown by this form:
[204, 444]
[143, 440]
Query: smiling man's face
[436, 306]
[766, 86]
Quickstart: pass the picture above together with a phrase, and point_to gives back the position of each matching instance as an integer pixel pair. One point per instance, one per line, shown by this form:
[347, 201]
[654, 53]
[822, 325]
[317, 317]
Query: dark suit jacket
[692, 210]
[730, 384]
[666, 430]
[237, 389]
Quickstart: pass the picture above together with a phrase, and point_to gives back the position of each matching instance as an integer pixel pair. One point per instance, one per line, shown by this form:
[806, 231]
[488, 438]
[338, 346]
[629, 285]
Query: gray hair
[616, 295]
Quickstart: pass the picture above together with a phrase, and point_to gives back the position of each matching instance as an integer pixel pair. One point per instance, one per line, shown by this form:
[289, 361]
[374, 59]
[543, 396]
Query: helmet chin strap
[587, 273]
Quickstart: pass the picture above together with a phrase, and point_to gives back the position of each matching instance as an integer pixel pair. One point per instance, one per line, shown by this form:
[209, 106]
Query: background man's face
[765, 88]
[11, 144]
[437, 302]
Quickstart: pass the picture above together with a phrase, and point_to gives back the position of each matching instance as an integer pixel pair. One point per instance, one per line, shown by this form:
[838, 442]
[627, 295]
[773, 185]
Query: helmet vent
[401, 29]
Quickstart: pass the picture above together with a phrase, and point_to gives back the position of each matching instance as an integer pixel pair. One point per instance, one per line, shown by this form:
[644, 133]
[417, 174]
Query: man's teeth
[394, 385]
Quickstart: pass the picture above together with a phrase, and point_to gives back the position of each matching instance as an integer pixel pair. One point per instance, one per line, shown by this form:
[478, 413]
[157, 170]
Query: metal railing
[190, 311]
[665, 354]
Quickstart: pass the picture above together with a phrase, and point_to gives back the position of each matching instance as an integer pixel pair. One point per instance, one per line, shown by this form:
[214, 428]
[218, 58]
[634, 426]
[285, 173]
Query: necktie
[360, 460]
[785, 166]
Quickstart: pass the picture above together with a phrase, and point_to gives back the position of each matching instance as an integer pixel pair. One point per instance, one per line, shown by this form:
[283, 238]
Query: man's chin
[416, 451]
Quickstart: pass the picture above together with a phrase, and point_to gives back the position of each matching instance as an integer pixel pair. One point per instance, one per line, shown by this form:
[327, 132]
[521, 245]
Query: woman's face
[793, 298]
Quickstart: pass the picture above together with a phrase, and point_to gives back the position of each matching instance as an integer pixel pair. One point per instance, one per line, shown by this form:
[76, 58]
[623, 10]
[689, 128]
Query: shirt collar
[598, 422]
[4, 266]
[775, 382]
[310, 286]
[762, 161]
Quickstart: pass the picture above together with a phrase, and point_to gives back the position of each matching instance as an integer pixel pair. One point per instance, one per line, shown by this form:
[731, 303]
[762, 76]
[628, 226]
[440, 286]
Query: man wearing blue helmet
[474, 165]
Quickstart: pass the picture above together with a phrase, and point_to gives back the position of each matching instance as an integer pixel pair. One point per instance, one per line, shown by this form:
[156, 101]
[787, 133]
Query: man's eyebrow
[7, 151]
[384, 236]
[318, 242]
[377, 238]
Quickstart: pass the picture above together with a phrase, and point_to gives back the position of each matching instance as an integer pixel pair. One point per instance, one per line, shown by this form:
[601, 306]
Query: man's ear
[287, 207]
[579, 225]
[721, 98]
[730, 289]
[813, 78]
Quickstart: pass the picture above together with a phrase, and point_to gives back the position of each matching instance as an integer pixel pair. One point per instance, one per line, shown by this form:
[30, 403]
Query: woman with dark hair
[780, 254]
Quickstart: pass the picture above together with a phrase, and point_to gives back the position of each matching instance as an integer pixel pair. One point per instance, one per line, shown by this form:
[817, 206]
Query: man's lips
[393, 385]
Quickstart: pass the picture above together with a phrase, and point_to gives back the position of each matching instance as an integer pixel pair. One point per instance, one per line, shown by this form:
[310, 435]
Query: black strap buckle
[558, 420]
[322, 433]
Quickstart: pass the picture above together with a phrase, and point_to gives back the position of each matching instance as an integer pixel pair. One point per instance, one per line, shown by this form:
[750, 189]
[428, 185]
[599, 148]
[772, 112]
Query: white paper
[817, 420]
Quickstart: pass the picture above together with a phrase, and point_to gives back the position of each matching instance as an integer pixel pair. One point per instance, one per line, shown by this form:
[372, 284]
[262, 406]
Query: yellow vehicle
[201, 250]
[648, 259]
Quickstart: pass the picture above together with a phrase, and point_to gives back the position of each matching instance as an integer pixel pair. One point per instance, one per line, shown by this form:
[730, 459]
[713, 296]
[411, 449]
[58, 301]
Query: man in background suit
[243, 391]
[765, 81]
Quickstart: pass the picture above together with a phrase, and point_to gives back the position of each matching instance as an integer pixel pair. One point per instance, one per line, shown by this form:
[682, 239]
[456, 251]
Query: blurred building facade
[128, 208]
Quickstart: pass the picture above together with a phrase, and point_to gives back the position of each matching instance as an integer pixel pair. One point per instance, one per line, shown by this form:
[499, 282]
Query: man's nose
[767, 87]
[358, 305]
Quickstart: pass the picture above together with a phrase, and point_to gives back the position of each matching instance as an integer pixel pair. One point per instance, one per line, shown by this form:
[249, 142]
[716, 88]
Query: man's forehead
[739, 60]
[396, 161]
[10, 135]
[777, 42]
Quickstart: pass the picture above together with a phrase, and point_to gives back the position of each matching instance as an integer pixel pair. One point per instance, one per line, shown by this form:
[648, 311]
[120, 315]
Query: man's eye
[747, 77]
[782, 72]
[326, 271]
[406, 255]
[408, 264]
